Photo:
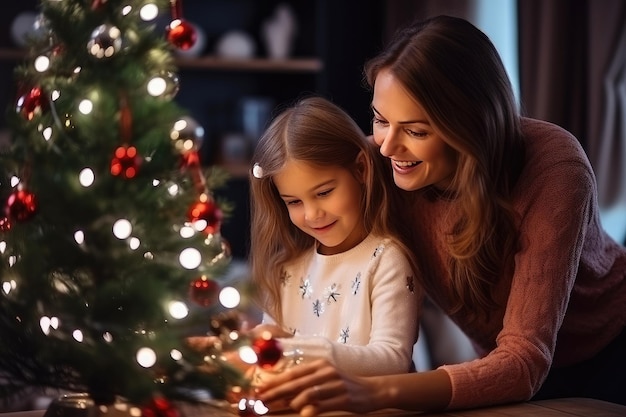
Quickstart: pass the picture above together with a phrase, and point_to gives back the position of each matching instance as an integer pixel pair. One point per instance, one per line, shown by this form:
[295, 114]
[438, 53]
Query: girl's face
[401, 127]
[323, 202]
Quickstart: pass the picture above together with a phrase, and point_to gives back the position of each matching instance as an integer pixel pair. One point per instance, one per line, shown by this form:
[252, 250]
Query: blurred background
[566, 59]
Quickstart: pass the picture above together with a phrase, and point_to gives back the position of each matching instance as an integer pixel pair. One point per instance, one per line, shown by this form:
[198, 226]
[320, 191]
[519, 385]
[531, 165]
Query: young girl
[508, 238]
[333, 275]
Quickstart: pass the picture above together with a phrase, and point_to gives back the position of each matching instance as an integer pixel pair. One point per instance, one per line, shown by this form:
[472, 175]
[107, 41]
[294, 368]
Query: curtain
[607, 91]
[573, 73]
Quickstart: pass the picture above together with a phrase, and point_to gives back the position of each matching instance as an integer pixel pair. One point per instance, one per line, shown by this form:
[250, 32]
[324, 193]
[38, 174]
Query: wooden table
[566, 407]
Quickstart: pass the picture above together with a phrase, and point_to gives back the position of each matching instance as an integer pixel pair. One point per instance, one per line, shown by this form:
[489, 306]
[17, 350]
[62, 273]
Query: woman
[507, 235]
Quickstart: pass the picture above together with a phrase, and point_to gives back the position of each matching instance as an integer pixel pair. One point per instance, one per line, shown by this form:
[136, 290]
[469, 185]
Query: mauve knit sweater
[565, 299]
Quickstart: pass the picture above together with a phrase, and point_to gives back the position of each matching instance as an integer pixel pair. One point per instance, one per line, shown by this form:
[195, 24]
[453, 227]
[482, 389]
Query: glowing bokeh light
[77, 335]
[178, 309]
[146, 357]
[229, 297]
[148, 12]
[79, 237]
[42, 63]
[85, 106]
[86, 177]
[122, 229]
[190, 258]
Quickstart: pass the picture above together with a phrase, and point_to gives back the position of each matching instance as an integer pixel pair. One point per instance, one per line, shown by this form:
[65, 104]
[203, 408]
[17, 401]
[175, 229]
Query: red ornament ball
[125, 162]
[159, 407]
[21, 206]
[181, 34]
[206, 216]
[31, 103]
[268, 351]
[203, 291]
[190, 159]
[97, 4]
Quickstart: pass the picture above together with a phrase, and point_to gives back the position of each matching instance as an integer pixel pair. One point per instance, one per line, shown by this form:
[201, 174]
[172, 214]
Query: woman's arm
[317, 387]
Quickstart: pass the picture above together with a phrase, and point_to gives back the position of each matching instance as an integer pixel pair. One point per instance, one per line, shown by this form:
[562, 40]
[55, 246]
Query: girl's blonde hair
[319, 132]
[453, 70]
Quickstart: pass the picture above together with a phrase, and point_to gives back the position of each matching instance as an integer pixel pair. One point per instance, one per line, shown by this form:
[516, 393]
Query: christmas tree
[110, 245]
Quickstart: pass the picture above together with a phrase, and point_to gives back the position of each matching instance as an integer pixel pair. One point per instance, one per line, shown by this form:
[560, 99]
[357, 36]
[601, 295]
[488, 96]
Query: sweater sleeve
[394, 309]
[554, 218]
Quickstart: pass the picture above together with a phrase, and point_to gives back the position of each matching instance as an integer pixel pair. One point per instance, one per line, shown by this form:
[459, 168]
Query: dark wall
[352, 34]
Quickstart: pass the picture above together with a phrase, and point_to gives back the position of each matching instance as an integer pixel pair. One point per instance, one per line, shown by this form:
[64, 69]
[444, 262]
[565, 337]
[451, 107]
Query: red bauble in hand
[125, 162]
[205, 215]
[268, 351]
[203, 291]
[181, 34]
[21, 206]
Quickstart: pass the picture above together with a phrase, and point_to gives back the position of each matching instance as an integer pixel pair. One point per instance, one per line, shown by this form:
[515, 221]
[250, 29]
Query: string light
[42, 63]
[47, 133]
[78, 335]
[86, 177]
[85, 106]
[146, 357]
[229, 297]
[148, 12]
[190, 258]
[178, 309]
[186, 232]
[122, 229]
[8, 286]
[79, 237]
[134, 243]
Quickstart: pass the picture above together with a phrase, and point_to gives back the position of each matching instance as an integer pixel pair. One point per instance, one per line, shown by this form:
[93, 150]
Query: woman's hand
[203, 343]
[317, 387]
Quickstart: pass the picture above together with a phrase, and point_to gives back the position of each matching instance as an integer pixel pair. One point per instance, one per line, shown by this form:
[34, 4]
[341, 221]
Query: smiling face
[401, 127]
[323, 202]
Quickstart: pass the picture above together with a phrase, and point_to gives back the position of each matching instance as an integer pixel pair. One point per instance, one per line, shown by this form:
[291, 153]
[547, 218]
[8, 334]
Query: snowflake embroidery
[410, 283]
[284, 278]
[356, 283]
[331, 294]
[318, 308]
[345, 334]
[305, 288]
[377, 251]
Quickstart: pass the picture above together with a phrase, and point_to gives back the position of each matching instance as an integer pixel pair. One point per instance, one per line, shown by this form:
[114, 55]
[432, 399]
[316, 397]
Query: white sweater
[357, 309]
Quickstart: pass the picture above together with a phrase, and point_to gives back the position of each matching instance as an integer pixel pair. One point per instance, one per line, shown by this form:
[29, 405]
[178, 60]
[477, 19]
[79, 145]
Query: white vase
[279, 31]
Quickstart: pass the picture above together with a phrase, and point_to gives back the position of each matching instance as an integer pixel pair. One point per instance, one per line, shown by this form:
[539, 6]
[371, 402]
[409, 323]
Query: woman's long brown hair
[453, 70]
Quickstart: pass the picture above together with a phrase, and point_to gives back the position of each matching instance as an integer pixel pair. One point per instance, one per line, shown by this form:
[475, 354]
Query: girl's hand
[274, 330]
[317, 387]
